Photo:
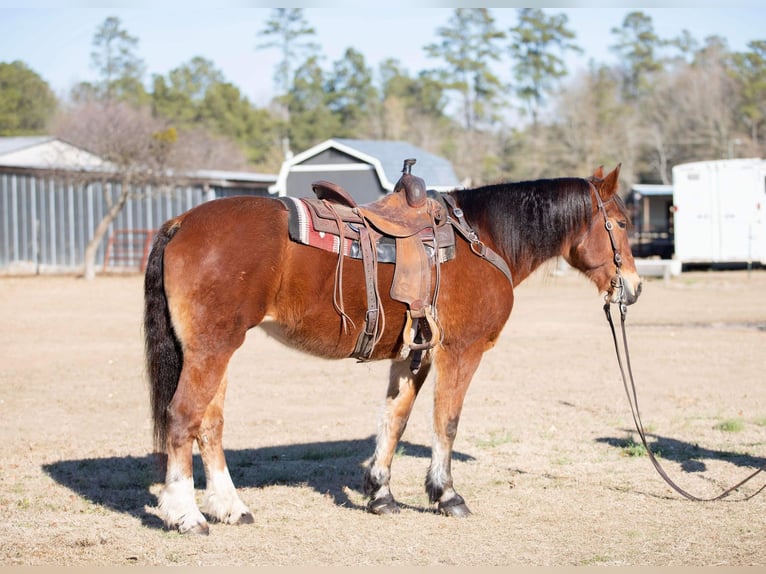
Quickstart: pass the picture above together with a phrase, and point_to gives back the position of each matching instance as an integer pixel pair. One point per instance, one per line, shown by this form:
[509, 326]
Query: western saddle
[407, 227]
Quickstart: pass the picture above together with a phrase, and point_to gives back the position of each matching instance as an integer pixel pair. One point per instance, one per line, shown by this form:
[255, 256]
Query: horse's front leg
[403, 388]
[453, 375]
[221, 502]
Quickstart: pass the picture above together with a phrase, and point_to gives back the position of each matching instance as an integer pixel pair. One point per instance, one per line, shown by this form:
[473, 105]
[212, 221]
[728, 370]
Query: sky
[54, 38]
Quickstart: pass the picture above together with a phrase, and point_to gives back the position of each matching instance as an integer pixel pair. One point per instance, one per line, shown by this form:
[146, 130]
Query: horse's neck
[525, 246]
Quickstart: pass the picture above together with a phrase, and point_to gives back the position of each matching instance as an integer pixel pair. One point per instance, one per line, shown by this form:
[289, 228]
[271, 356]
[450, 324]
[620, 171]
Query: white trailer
[719, 211]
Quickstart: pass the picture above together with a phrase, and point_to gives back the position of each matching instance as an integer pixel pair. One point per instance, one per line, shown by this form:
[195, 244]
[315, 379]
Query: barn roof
[387, 158]
[11, 144]
[46, 152]
[435, 170]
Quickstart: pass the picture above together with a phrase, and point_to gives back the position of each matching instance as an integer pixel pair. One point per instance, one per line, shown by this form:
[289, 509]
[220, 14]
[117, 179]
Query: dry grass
[541, 454]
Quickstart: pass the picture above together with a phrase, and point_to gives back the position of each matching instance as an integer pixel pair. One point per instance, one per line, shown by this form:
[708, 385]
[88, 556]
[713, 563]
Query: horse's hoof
[455, 506]
[200, 529]
[383, 505]
[246, 518]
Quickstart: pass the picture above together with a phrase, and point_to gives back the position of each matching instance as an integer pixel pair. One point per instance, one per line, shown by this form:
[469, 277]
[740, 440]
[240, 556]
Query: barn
[53, 195]
[367, 169]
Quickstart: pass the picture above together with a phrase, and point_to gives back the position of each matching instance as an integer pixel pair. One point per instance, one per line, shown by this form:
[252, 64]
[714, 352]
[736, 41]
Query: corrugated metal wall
[46, 222]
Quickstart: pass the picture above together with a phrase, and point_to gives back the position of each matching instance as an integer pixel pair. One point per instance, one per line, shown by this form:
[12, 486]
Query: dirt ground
[545, 456]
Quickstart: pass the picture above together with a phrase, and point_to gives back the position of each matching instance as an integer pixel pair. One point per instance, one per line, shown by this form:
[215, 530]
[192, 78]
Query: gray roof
[435, 170]
[47, 152]
[11, 144]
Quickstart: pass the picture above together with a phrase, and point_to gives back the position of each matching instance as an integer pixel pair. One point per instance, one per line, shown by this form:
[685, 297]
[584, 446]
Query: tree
[136, 146]
[288, 27]
[226, 112]
[593, 127]
[207, 110]
[637, 47]
[311, 119]
[351, 94]
[411, 108]
[197, 148]
[423, 94]
[686, 44]
[749, 70]
[468, 46]
[288, 30]
[711, 95]
[177, 97]
[536, 68]
[120, 69]
[27, 103]
[688, 113]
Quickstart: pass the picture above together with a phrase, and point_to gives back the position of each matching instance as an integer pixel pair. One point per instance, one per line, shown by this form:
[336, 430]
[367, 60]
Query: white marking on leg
[381, 473]
[178, 507]
[439, 471]
[221, 500]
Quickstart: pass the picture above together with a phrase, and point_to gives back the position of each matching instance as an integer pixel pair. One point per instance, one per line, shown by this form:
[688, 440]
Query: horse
[227, 266]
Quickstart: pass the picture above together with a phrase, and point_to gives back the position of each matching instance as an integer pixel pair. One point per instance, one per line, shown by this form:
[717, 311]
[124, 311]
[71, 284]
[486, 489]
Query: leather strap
[477, 246]
[370, 334]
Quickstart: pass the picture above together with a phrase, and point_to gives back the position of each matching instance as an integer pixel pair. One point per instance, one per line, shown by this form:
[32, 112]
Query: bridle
[626, 371]
[617, 280]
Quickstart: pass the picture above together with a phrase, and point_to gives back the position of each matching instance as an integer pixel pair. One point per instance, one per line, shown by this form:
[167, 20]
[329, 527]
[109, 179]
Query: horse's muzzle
[625, 288]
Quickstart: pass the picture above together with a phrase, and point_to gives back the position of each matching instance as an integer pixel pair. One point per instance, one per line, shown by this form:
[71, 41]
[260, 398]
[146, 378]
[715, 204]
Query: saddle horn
[414, 187]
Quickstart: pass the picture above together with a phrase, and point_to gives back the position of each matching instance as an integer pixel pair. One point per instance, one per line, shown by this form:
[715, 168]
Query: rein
[628, 381]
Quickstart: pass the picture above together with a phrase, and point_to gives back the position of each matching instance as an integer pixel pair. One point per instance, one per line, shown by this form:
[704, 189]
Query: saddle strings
[337, 293]
[437, 277]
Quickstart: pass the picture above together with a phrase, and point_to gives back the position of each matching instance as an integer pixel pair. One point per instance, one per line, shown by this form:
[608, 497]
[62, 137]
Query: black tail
[164, 356]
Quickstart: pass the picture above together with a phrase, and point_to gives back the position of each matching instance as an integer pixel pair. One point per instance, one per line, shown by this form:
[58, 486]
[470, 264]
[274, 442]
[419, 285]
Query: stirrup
[432, 325]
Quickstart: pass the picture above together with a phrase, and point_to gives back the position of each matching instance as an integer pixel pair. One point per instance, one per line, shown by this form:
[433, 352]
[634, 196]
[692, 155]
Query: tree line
[666, 101]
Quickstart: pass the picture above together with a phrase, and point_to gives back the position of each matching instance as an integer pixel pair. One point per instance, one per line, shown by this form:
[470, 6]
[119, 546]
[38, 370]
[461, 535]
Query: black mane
[528, 220]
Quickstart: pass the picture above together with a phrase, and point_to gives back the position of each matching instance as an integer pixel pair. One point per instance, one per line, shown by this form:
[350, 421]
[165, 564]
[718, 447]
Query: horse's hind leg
[453, 376]
[200, 380]
[221, 501]
[403, 388]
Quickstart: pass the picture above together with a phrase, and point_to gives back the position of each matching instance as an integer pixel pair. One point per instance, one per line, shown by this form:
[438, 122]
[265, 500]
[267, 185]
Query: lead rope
[630, 390]
[628, 381]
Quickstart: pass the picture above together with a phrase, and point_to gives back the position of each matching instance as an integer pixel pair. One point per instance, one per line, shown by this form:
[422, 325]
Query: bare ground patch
[545, 456]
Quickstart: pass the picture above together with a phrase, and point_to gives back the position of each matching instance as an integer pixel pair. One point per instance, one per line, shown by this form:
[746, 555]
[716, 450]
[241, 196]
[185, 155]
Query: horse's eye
[622, 224]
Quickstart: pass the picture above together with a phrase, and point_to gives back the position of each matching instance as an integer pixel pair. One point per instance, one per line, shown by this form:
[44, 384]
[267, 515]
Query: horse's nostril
[638, 289]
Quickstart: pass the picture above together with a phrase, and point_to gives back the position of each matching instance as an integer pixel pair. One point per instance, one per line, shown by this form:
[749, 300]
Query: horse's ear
[611, 183]
[599, 172]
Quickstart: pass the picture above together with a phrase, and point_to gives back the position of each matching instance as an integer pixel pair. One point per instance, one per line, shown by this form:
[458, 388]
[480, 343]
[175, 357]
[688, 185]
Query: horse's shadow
[122, 483]
[690, 456]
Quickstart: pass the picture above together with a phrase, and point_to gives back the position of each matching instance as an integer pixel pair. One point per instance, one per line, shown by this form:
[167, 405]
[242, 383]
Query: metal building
[53, 195]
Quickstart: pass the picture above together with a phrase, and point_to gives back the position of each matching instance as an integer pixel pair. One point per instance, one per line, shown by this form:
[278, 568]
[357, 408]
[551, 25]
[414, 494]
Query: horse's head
[603, 252]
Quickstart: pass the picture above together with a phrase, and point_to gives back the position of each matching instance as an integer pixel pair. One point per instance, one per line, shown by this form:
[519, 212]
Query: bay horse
[228, 265]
